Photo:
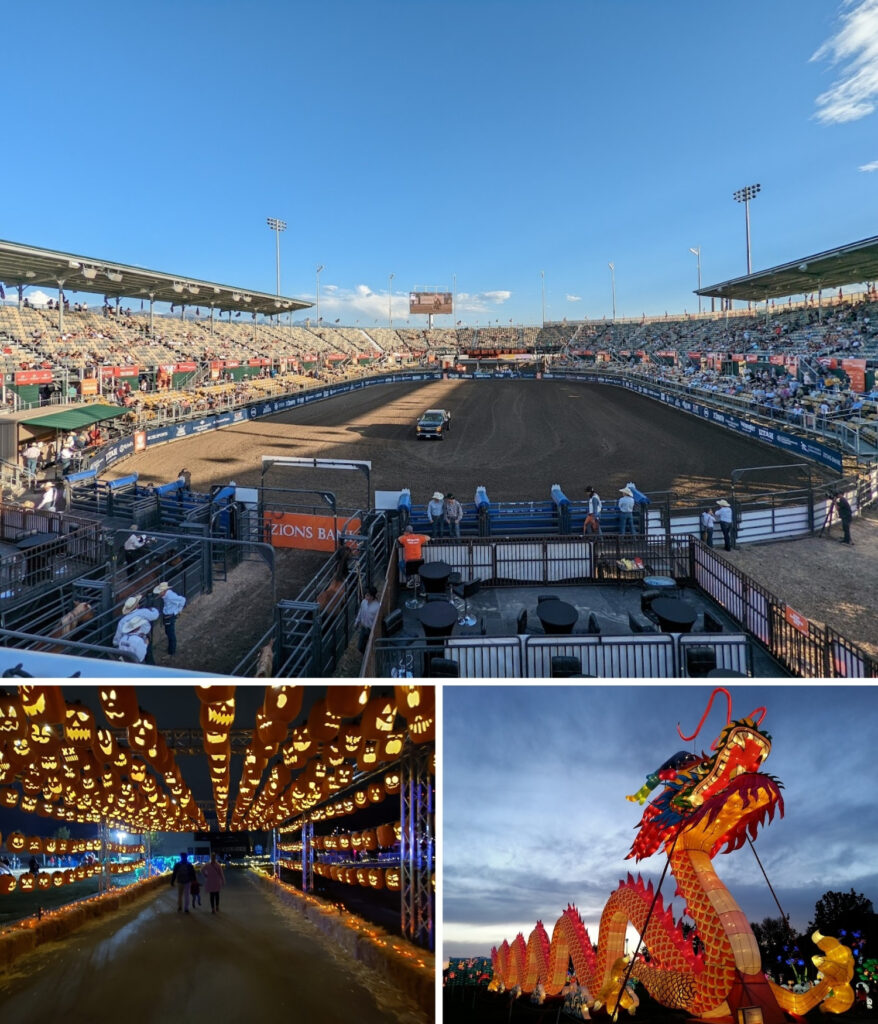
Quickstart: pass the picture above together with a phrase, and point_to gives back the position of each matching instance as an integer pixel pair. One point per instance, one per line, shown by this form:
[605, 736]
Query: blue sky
[535, 815]
[473, 143]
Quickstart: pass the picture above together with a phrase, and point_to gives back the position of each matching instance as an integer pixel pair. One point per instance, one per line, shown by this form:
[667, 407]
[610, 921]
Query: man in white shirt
[133, 549]
[724, 518]
[172, 605]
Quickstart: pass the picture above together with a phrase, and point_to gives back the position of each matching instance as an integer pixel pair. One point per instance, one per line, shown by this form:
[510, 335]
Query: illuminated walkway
[149, 964]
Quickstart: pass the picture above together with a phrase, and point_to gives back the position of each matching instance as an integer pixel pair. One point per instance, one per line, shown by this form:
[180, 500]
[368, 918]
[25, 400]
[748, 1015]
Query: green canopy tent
[75, 419]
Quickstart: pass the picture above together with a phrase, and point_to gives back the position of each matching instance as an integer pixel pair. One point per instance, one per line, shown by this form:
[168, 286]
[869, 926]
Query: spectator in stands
[436, 513]
[626, 512]
[453, 513]
[724, 518]
[592, 522]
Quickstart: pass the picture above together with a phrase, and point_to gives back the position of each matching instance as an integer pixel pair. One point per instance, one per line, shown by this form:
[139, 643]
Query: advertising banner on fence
[312, 533]
[856, 371]
[33, 376]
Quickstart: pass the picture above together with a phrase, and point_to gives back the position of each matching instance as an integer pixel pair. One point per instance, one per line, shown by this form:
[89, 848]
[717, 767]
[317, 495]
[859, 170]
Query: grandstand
[802, 372]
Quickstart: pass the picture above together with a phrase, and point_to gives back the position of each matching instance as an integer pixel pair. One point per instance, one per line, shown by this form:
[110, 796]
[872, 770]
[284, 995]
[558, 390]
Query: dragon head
[713, 800]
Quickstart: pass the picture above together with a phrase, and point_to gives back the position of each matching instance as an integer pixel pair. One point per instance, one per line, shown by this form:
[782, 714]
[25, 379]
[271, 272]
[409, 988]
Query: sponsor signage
[795, 619]
[856, 371]
[88, 386]
[312, 533]
[140, 440]
[185, 367]
[33, 377]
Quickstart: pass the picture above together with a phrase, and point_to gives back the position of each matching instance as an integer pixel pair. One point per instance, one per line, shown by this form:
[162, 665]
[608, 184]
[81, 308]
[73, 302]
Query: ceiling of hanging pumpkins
[184, 758]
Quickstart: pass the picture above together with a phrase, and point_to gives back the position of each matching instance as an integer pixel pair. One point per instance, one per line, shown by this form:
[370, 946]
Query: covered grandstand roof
[27, 265]
[848, 264]
[76, 419]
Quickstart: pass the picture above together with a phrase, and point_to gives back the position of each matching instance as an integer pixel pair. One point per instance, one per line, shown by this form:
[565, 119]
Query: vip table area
[557, 617]
[434, 576]
[674, 616]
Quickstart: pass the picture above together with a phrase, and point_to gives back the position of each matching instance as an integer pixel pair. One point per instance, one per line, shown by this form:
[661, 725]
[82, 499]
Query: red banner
[33, 376]
[795, 619]
[185, 367]
[258, 362]
[119, 371]
[856, 371]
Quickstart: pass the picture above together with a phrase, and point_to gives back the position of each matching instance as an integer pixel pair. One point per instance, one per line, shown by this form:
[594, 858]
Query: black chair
[443, 668]
[413, 582]
[700, 661]
[640, 624]
[521, 625]
[593, 625]
[565, 666]
[648, 596]
[547, 597]
[392, 622]
[465, 590]
[712, 625]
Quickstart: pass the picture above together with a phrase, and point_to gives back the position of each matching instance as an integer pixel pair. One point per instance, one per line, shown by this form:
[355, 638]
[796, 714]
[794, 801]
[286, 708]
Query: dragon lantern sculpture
[707, 804]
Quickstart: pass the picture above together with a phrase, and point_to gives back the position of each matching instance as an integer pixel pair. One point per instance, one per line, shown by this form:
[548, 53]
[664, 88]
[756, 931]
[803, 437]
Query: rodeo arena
[225, 488]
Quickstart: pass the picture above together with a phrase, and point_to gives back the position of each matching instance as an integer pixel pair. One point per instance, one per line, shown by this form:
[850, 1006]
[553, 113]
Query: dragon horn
[719, 689]
[640, 796]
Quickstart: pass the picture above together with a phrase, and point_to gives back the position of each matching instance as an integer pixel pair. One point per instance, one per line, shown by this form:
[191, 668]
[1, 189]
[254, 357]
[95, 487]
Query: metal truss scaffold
[417, 847]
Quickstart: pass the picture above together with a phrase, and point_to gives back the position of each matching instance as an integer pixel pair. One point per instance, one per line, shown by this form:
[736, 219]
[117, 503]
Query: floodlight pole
[744, 195]
[612, 267]
[697, 253]
[543, 283]
[277, 226]
[390, 300]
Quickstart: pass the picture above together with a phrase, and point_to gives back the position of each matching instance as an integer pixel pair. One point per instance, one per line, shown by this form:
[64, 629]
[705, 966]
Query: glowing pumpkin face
[143, 733]
[218, 716]
[119, 704]
[367, 757]
[137, 771]
[44, 880]
[7, 883]
[347, 701]
[376, 878]
[375, 792]
[323, 724]
[361, 799]
[42, 736]
[8, 796]
[57, 879]
[301, 739]
[209, 693]
[392, 782]
[391, 878]
[12, 717]
[391, 745]
[34, 844]
[379, 717]
[79, 727]
[27, 883]
[282, 702]
[15, 841]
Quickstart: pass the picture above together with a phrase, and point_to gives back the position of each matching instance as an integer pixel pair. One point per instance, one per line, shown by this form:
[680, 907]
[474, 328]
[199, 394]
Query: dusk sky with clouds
[497, 149]
[535, 814]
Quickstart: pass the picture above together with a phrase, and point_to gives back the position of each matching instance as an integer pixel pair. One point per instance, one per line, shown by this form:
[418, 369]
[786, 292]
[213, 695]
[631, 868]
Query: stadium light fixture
[319, 268]
[697, 253]
[114, 276]
[612, 267]
[276, 226]
[390, 300]
[89, 273]
[744, 195]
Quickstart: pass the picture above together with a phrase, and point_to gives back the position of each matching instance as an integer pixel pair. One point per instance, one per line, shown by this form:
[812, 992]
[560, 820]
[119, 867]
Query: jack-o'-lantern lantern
[57, 879]
[42, 702]
[369, 839]
[323, 724]
[385, 836]
[301, 739]
[19, 752]
[34, 844]
[391, 878]
[8, 884]
[391, 745]
[137, 771]
[27, 882]
[363, 877]
[44, 880]
[349, 739]
[79, 727]
[347, 701]
[43, 737]
[159, 754]
[270, 732]
[53, 786]
[210, 693]
[282, 702]
[376, 878]
[392, 782]
[119, 704]
[375, 792]
[341, 778]
[348, 805]
[361, 799]
[217, 716]
[16, 841]
[379, 717]
[50, 761]
[8, 796]
[12, 716]
[143, 734]
[367, 758]
[69, 877]
[417, 704]
[356, 840]
[121, 760]
[79, 873]
[333, 754]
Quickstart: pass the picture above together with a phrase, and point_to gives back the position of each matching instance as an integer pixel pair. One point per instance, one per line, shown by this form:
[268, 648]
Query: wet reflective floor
[150, 964]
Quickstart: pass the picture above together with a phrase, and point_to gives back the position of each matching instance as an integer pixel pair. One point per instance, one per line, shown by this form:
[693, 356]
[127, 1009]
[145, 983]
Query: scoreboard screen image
[430, 302]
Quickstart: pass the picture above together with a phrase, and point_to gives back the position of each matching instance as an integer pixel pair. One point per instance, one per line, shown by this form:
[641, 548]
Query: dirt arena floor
[516, 438]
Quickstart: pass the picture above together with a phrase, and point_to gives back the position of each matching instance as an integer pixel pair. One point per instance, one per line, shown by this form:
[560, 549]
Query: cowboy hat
[135, 624]
[723, 502]
[438, 496]
[131, 604]
[161, 588]
[626, 490]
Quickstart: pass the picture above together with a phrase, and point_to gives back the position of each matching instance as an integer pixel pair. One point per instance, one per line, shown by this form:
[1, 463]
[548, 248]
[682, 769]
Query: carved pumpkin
[376, 878]
[391, 745]
[143, 733]
[7, 883]
[379, 717]
[323, 724]
[385, 836]
[12, 716]
[347, 701]
[363, 877]
[79, 727]
[119, 704]
[16, 841]
[8, 796]
[44, 880]
[43, 703]
[283, 702]
[27, 882]
[369, 839]
[367, 758]
[209, 692]
[391, 878]
[392, 782]
[361, 799]
[375, 792]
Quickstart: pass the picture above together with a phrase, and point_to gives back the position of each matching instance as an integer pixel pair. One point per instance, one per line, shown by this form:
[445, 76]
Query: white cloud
[498, 298]
[873, 166]
[855, 46]
[573, 298]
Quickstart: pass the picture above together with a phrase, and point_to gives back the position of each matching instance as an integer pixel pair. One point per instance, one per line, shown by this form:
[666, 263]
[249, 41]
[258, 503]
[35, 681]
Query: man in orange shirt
[412, 551]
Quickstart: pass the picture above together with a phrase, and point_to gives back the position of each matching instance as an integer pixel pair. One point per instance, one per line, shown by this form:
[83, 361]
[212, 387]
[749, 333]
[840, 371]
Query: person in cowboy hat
[133, 549]
[134, 635]
[626, 511]
[172, 605]
[724, 518]
[131, 610]
[436, 513]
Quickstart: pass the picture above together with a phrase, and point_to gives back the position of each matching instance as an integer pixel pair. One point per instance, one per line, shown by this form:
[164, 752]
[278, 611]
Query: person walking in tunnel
[183, 876]
[214, 880]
